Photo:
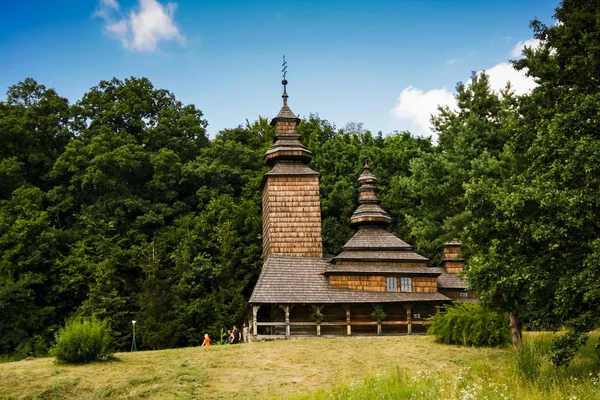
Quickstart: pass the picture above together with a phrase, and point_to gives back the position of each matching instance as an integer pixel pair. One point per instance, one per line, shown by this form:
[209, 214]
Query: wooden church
[377, 285]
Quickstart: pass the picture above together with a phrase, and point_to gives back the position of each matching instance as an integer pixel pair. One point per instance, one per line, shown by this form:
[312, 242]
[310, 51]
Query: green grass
[377, 367]
[525, 375]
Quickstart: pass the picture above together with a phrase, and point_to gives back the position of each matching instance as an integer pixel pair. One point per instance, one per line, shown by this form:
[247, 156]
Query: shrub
[470, 325]
[379, 315]
[564, 347]
[83, 340]
[318, 317]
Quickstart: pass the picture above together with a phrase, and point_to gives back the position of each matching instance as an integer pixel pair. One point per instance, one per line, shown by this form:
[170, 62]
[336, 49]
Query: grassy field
[377, 367]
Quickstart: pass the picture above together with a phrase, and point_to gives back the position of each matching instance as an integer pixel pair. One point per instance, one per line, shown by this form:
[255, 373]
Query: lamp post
[133, 346]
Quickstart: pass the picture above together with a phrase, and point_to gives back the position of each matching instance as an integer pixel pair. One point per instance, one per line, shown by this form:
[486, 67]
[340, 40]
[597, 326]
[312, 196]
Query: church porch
[282, 321]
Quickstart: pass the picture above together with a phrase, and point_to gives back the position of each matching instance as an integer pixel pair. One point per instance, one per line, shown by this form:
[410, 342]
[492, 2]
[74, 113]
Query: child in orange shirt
[206, 340]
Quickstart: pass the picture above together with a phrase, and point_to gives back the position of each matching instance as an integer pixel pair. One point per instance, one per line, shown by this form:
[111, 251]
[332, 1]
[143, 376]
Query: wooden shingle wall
[286, 128]
[358, 282]
[292, 216]
[377, 283]
[424, 284]
[450, 252]
[453, 267]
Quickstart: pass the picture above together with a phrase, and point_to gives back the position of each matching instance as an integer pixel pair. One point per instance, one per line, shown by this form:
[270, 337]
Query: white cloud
[502, 73]
[142, 29]
[110, 4]
[106, 8]
[118, 28]
[416, 106]
[517, 51]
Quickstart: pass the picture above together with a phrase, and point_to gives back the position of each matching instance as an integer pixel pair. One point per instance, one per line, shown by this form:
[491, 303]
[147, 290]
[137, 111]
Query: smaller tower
[451, 257]
[368, 212]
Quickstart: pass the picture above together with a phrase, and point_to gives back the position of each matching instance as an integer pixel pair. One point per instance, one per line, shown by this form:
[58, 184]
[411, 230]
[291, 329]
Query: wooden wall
[424, 284]
[450, 252]
[292, 216]
[453, 267]
[377, 283]
[364, 283]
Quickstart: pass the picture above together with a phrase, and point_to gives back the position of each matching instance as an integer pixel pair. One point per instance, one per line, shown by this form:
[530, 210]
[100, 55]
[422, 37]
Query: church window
[464, 294]
[405, 284]
[417, 316]
[392, 284]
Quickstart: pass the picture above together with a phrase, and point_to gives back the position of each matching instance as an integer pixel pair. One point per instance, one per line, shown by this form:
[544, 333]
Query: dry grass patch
[256, 370]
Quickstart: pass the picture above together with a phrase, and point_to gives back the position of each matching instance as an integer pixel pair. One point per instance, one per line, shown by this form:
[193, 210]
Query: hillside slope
[277, 369]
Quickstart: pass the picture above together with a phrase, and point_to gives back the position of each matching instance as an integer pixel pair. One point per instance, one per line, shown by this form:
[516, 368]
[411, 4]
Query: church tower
[290, 193]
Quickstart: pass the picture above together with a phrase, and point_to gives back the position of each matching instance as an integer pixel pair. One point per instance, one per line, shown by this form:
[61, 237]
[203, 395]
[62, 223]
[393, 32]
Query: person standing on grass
[236, 335]
[206, 342]
[229, 337]
[245, 333]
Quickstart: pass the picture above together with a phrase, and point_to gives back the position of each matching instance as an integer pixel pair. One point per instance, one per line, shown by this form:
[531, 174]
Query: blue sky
[386, 64]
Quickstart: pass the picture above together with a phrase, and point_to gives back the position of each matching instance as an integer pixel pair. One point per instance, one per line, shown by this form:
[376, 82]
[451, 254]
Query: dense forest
[119, 206]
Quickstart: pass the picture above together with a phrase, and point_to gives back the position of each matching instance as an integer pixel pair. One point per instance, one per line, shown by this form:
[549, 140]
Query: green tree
[120, 187]
[34, 132]
[540, 258]
[29, 246]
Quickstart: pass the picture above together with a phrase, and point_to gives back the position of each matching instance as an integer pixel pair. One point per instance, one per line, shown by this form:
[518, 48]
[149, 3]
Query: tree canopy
[535, 235]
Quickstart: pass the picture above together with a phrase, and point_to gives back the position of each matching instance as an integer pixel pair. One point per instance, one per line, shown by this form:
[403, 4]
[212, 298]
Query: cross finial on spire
[284, 81]
[366, 158]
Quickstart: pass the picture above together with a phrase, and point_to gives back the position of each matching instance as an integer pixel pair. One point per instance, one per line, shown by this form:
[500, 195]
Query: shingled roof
[374, 243]
[380, 270]
[380, 255]
[449, 281]
[369, 238]
[289, 279]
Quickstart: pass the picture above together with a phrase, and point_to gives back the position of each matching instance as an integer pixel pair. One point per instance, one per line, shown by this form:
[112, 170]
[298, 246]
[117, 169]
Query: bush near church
[83, 340]
[470, 325]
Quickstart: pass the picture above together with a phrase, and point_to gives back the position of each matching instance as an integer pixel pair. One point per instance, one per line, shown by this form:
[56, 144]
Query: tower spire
[287, 146]
[284, 82]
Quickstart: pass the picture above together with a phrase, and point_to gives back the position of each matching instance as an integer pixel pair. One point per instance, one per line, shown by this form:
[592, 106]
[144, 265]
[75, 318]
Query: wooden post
[348, 326]
[254, 320]
[376, 307]
[317, 310]
[408, 307]
[286, 309]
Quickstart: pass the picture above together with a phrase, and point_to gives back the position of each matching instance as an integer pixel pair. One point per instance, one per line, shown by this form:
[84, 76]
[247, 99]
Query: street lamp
[133, 346]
